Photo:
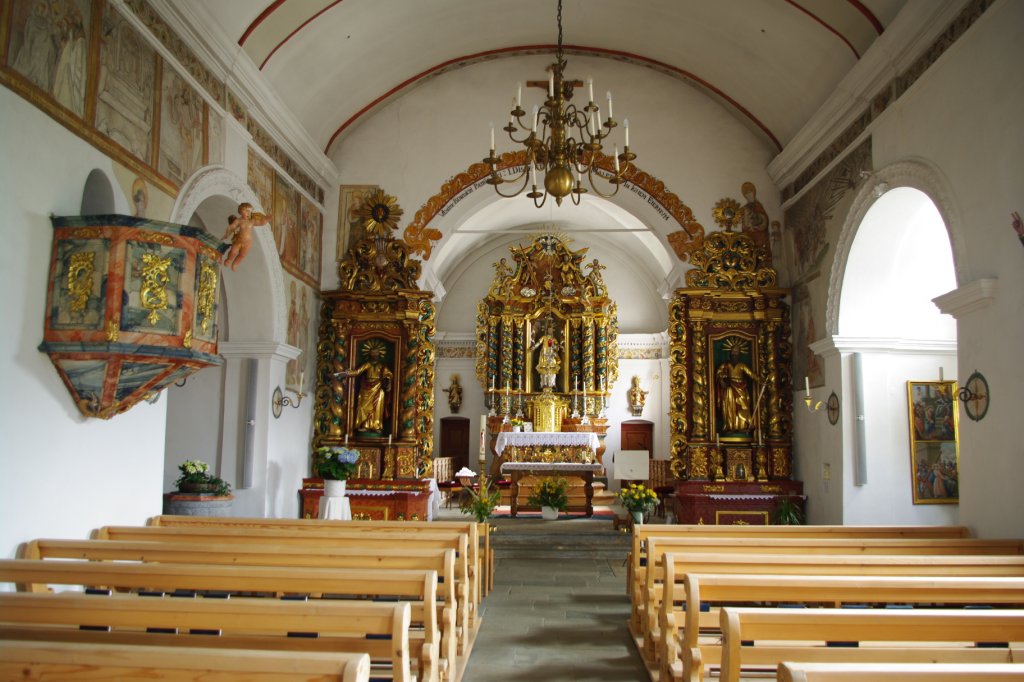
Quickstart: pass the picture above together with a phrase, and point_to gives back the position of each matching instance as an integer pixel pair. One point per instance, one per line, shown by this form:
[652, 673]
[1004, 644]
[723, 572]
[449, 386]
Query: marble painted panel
[153, 289]
[78, 299]
[124, 107]
[181, 128]
[87, 376]
[49, 42]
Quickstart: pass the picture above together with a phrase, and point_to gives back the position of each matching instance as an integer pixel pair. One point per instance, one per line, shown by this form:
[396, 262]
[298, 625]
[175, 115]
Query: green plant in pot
[196, 478]
[481, 503]
[788, 512]
[552, 493]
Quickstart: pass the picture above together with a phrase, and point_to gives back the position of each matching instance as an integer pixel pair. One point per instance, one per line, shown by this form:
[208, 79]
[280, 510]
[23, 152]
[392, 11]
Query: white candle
[616, 154]
[590, 89]
[492, 137]
[591, 122]
[625, 127]
[519, 381]
[492, 384]
[519, 94]
[508, 387]
[346, 440]
[551, 84]
[535, 115]
[389, 440]
[302, 379]
[609, 104]
[533, 175]
[576, 382]
[807, 386]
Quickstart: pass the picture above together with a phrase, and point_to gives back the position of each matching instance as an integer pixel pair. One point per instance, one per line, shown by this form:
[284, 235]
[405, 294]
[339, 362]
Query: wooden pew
[355, 540]
[647, 597]
[71, 661]
[795, 560]
[418, 588]
[259, 624]
[918, 635]
[900, 672]
[637, 559]
[683, 653]
[265, 554]
[479, 540]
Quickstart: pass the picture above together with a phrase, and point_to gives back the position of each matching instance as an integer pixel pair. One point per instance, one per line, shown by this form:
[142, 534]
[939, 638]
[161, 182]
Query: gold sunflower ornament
[379, 213]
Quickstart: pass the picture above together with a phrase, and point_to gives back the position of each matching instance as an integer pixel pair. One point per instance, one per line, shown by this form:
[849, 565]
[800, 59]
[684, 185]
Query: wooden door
[455, 441]
[638, 434]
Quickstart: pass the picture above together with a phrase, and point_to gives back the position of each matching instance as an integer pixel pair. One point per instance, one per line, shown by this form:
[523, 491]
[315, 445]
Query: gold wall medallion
[153, 292]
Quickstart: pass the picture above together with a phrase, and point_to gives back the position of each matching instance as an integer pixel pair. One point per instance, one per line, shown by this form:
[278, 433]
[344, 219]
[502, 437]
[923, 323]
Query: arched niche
[98, 195]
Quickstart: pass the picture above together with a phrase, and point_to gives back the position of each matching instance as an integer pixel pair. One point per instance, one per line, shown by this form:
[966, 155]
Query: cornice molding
[261, 350]
[864, 344]
[970, 297]
[200, 31]
[909, 34]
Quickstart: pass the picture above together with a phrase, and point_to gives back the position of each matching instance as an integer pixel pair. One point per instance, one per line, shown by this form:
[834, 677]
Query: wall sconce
[280, 401]
[812, 406]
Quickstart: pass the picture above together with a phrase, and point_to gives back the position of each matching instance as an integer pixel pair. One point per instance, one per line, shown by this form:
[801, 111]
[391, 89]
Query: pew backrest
[900, 672]
[69, 660]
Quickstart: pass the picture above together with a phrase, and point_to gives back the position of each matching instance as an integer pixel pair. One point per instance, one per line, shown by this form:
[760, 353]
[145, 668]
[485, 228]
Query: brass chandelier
[561, 141]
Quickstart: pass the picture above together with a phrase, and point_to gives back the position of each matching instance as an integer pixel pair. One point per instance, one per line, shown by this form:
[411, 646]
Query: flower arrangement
[481, 503]
[336, 463]
[196, 477]
[550, 492]
[636, 497]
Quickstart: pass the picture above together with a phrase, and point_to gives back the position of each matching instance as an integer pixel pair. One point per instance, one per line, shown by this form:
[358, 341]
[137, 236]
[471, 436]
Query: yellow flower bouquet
[636, 497]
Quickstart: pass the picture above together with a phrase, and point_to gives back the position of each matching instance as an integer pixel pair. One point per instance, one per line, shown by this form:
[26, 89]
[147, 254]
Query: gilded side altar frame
[731, 295]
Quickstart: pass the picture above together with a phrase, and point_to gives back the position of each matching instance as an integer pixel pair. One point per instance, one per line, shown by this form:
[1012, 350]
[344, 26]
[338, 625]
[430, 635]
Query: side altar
[731, 384]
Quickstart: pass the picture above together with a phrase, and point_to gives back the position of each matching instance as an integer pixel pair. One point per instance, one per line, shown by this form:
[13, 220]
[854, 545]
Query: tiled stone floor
[559, 606]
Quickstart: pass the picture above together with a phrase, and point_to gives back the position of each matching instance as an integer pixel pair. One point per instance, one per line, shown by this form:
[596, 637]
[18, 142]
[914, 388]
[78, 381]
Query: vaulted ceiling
[773, 62]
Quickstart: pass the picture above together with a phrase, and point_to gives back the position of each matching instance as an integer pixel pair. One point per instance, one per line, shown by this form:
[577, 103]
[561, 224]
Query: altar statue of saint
[548, 361]
[373, 389]
[637, 397]
[735, 379]
[454, 394]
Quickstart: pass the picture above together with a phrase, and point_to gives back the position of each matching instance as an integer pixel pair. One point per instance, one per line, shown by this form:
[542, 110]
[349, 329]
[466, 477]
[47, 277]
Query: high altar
[546, 355]
[731, 399]
[375, 364]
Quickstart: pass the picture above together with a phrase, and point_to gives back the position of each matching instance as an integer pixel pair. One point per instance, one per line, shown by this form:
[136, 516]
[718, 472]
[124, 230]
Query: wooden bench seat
[354, 540]
[418, 588]
[453, 626]
[480, 560]
[822, 564]
[685, 647]
[638, 552]
[71, 661]
[758, 637]
[645, 614]
[379, 629]
[900, 672]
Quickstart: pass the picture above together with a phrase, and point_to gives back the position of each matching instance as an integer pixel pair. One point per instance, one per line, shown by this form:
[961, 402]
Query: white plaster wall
[63, 474]
[963, 117]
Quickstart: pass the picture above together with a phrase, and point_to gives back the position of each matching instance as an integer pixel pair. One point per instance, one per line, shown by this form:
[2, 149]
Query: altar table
[517, 470]
[547, 446]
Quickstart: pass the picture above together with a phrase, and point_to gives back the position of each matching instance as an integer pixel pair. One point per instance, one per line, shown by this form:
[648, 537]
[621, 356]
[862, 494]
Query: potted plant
[788, 512]
[196, 478]
[638, 499]
[481, 502]
[551, 495]
[335, 464]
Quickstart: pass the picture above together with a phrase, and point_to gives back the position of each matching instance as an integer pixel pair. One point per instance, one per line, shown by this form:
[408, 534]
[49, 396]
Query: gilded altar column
[588, 356]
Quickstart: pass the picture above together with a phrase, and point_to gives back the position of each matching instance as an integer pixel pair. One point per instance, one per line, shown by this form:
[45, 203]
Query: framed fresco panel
[934, 442]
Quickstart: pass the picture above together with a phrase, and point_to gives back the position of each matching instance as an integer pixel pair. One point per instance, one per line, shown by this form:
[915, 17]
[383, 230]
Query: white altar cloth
[335, 508]
[586, 439]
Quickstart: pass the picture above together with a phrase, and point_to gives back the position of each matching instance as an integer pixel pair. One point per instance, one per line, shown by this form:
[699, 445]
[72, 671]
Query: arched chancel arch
[420, 236]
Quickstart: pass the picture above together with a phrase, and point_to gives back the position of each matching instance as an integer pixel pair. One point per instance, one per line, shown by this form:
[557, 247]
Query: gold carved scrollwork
[164, 239]
[730, 261]
[206, 294]
[86, 233]
[113, 330]
[186, 340]
[153, 292]
[699, 383]
[79, 281]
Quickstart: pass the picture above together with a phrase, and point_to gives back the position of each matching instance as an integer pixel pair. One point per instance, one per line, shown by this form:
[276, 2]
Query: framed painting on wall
[934, 444]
